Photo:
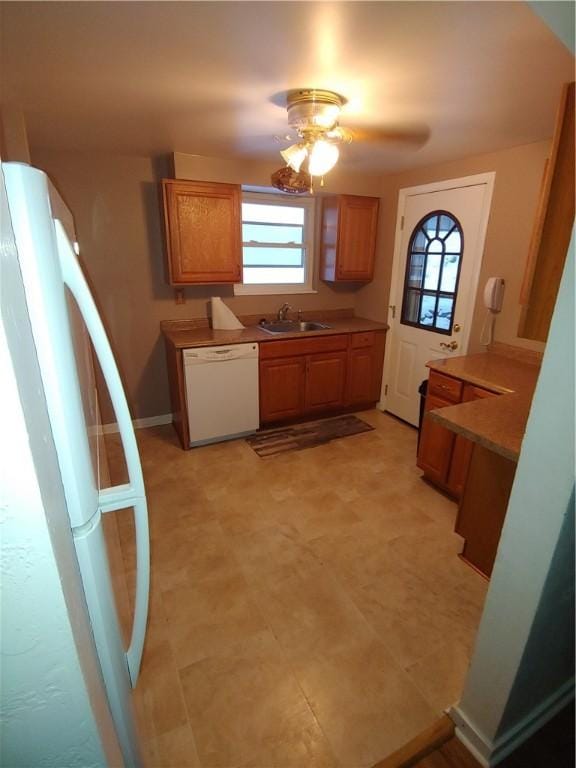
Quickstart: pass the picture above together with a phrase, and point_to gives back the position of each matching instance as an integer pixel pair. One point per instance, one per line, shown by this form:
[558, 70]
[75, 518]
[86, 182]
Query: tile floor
[307, 610]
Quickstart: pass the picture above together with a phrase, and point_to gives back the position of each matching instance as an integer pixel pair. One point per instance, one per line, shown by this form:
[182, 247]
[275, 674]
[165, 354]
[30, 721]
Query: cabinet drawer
[444, 387]
[270, 350]
[472, 392]
[365, 339]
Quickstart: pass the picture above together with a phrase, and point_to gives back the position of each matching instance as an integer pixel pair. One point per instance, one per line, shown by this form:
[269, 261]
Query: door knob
[452, 346]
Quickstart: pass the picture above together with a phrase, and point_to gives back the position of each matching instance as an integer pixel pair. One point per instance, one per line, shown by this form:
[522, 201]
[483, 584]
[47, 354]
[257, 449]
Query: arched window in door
[433, 266]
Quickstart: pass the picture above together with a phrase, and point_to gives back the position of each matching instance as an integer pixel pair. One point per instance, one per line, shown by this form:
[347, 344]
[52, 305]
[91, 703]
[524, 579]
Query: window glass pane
[272, 213]
[416, 270]
[446, 224]
[420, 242]
[435, 246]
[453, 242]
[429, 226]
[427, 309]
[412, 301]
[268, 233]
[278, 276]
[273, 257]
[432, 271]
[450, 273]
[444, 317]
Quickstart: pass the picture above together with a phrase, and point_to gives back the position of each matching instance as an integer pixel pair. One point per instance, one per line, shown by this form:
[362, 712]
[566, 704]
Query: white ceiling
[202, 77]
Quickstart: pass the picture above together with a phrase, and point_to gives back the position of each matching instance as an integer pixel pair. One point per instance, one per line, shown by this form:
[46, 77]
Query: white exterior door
[439, 246]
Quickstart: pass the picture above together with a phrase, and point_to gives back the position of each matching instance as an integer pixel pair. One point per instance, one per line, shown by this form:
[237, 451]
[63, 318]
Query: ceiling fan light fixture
[323, 157]
[294, 156]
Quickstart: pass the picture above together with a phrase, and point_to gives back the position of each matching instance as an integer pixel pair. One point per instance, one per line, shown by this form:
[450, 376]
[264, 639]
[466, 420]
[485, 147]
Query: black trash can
[422, 390]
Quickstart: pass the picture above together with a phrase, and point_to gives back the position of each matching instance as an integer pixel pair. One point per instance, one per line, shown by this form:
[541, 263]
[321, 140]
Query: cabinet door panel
[357, 237]
[436, 443]
[203, 232]
[282, 388]
[361, 376]
[325, 381]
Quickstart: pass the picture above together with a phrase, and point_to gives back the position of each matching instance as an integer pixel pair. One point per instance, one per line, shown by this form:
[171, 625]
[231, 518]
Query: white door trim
[423, 189]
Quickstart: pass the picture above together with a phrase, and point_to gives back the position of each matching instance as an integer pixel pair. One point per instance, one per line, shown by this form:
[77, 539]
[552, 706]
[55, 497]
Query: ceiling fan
[313, 116]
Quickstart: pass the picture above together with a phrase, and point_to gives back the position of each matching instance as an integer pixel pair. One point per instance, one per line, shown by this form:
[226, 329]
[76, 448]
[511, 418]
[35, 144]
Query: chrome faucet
[283, 311]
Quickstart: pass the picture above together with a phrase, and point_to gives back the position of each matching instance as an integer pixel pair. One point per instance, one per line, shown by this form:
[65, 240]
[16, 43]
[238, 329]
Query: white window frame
[309, 204]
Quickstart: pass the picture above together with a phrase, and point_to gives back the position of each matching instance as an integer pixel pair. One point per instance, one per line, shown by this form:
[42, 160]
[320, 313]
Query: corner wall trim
[149, 421]
[490, 753]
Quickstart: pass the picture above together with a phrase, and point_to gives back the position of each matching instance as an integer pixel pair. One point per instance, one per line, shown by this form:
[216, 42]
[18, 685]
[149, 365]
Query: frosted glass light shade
[323, 157]
[294, 156]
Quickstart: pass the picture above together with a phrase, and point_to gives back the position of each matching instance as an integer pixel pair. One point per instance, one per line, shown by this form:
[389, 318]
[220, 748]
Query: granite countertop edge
[203, 337]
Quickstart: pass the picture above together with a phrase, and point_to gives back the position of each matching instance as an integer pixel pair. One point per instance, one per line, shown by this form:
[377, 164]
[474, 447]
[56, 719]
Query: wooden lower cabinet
[443, 456]
[436, 444]
[282, 388]
[335, 373]
[325, 381]
[462, 453]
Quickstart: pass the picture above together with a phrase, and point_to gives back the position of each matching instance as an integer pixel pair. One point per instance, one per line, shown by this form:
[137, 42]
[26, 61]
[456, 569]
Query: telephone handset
[493, 298]
[494, 294]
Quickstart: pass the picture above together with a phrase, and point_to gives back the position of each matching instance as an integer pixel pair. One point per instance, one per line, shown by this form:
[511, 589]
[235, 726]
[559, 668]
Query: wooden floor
[307, 610]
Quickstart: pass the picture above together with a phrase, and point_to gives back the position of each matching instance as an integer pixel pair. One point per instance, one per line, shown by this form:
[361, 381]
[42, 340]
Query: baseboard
[149, 421]
[517, 735]
[474, 741]
[491, 753]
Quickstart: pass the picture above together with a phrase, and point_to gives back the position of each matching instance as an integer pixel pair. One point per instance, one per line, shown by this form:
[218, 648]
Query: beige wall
[115, 202]
[516, 188]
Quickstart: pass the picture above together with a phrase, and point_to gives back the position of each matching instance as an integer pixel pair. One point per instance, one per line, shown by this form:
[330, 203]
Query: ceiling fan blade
[414, 135]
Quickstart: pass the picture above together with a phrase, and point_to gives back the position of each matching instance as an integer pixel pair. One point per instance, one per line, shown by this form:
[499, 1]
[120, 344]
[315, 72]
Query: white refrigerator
[55, 288]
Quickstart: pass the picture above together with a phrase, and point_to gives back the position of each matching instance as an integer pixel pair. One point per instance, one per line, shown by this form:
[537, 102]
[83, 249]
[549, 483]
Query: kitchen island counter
[497, 423]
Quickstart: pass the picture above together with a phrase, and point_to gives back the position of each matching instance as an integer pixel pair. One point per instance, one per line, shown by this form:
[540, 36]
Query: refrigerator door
[48, 263]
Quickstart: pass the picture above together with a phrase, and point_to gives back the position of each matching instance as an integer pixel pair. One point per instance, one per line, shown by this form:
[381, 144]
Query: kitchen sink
[291, 326]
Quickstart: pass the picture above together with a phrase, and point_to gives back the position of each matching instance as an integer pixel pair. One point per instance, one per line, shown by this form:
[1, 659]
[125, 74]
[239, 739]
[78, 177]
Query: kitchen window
[277, 244]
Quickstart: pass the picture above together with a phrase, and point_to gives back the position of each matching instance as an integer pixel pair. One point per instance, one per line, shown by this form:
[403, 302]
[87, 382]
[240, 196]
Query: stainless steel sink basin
[290, 326]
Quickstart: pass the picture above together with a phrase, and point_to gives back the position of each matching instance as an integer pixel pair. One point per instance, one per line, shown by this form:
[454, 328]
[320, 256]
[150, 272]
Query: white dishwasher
[221, 392]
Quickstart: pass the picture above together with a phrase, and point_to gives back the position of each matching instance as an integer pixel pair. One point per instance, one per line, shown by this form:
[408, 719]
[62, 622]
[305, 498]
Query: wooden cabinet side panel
[357, 237]
[552, 227]
[483, 506]
[378, 368]
[325, 381]
[329, 238]
[177, 387]
[436, 443]
[462, 451]
[282, 388]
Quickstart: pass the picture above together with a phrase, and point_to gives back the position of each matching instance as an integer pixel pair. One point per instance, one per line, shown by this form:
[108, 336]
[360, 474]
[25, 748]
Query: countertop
[181, 337]
[497, 423]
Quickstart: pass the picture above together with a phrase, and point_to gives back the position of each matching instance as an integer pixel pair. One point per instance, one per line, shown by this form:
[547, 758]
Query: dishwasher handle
[219, 354]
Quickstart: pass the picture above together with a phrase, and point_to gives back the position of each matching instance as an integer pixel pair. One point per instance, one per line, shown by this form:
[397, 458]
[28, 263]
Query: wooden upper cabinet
[552, 228]
[349, 229]
[203, 232]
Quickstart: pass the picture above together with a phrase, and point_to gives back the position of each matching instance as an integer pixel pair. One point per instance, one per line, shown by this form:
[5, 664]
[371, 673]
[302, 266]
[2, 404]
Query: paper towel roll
[223, 319]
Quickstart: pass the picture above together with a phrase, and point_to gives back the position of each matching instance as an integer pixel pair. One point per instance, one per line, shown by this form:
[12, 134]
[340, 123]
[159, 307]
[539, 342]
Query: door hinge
[402, 223]
[385, 389]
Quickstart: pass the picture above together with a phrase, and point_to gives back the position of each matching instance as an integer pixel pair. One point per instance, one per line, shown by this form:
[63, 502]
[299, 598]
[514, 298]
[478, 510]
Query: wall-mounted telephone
[494, 294]
[493, 298]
